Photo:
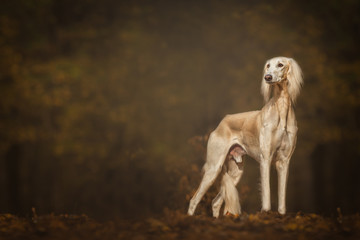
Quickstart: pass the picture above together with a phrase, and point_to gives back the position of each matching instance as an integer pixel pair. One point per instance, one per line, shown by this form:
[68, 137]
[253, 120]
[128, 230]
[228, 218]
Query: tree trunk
[12, 164]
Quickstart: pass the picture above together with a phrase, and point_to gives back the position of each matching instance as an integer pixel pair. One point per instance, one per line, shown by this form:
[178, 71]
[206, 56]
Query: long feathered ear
[265, 88]
[295, 79]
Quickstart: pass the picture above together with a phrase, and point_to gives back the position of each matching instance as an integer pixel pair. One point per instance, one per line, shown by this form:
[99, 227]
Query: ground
[177, 225]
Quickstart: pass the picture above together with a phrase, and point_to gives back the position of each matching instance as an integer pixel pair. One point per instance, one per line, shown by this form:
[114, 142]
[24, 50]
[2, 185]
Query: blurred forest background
[105, 105]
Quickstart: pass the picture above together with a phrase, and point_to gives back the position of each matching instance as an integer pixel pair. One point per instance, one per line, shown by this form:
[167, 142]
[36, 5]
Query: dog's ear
[295, 79]
[265, 88]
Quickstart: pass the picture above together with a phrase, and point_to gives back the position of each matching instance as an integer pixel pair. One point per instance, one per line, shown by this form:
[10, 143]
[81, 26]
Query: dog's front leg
[265, 184]
[265, 162]
[282, 168]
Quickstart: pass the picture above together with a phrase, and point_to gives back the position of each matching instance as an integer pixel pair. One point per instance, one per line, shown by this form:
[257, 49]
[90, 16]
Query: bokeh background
[105, 106]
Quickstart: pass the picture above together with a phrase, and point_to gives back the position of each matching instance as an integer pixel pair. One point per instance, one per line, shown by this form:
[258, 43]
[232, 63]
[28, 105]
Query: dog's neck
[281, 100]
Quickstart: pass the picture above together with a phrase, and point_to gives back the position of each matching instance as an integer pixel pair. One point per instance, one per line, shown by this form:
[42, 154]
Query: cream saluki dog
[267, 135]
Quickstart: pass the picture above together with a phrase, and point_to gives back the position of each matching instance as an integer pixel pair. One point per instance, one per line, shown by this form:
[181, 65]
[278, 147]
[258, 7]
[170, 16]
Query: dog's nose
[268, 77]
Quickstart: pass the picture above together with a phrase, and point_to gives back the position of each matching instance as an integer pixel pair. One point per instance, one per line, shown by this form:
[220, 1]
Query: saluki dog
[266, 135]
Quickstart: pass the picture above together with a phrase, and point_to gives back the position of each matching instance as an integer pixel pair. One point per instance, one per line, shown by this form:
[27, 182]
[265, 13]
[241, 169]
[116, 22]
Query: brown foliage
[176, 225]
[99, 99]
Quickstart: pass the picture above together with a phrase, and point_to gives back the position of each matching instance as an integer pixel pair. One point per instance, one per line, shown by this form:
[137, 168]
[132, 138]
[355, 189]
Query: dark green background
[104, 104]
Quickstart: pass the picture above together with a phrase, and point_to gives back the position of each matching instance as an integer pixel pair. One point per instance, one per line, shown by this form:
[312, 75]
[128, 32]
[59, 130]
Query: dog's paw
[234, 216]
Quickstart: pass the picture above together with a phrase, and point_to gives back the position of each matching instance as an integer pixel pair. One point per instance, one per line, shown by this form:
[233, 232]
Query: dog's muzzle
[268, 77]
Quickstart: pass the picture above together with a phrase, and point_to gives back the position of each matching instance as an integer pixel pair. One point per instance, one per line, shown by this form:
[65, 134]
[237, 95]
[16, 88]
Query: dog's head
[282, 70]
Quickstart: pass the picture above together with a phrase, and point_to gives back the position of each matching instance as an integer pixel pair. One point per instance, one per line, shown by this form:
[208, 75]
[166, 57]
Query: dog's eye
[267, 66]
[280, 65]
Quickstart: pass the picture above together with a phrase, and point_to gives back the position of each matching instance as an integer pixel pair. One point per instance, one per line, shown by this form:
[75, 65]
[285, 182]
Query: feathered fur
[295, 80]
[266, 135]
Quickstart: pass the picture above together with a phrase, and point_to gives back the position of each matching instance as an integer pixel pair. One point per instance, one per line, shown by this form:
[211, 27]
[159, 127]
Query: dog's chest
[279, 129]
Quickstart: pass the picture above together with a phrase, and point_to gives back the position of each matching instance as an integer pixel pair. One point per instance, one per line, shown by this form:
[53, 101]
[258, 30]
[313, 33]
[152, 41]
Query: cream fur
[266, 135]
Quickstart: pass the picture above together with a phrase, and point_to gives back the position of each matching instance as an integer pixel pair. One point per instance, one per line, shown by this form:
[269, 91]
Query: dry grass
[177, 225]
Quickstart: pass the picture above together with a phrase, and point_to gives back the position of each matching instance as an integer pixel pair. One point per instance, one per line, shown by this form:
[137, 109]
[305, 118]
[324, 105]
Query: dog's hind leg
[231, 175]
[207, 180]
[231, 195]
[216, 154]
[217, 203]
